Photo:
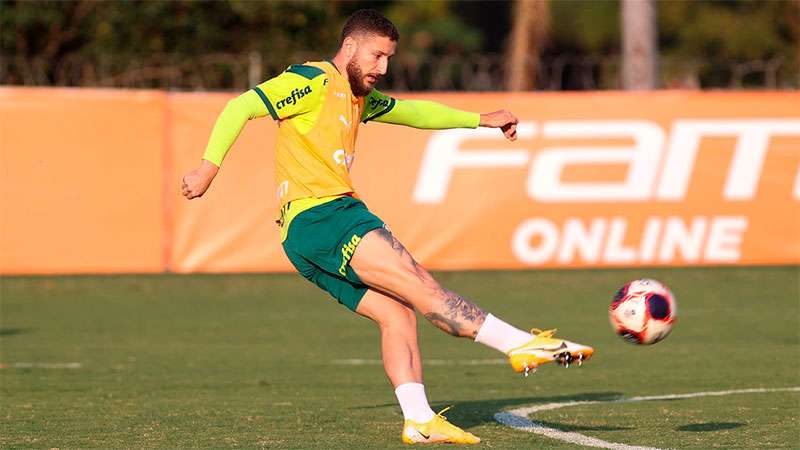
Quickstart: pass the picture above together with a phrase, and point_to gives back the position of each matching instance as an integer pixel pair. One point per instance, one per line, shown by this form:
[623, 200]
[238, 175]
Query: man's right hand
[196, 182]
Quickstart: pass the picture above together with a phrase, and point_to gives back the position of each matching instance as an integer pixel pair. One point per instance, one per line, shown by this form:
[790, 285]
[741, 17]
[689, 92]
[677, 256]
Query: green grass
[246, 361]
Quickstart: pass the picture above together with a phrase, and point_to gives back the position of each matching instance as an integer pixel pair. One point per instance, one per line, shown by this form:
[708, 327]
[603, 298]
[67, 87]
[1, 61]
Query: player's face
[369, 63]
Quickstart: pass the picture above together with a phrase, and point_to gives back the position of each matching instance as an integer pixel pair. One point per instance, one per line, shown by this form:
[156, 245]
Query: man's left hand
[502, 119]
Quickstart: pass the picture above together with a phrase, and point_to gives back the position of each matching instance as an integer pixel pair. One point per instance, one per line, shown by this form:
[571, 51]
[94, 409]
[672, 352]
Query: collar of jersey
[330, 61]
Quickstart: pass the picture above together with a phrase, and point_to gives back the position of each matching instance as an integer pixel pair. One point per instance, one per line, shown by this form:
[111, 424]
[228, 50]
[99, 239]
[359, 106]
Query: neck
[340, 63]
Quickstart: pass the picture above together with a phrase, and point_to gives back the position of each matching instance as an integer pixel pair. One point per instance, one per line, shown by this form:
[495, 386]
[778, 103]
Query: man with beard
[337, 243]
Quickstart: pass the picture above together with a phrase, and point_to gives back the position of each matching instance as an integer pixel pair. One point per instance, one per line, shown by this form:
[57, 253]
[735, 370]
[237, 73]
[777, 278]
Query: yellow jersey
[318, 118]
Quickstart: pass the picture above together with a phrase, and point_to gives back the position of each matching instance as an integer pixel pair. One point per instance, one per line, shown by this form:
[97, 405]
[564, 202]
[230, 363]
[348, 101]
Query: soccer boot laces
[545, 348]
[436, 430]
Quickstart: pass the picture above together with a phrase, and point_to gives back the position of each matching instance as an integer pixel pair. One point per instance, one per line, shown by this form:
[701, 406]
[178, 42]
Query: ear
[349, 46]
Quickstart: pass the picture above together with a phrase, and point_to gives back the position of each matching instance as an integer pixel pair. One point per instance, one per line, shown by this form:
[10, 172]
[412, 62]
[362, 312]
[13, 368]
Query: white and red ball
[643, 312]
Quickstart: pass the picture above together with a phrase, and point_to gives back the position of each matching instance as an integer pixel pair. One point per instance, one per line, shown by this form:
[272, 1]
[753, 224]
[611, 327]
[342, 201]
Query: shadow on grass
[710, 426]
[6, 331]
[478, 412]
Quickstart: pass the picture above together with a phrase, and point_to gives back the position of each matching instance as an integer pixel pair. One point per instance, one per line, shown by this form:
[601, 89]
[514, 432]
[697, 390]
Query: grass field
[268, 361]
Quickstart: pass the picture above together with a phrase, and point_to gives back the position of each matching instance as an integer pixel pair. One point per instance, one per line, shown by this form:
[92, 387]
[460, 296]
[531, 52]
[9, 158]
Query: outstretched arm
[294, 92]
[434, 116]
[229, 124]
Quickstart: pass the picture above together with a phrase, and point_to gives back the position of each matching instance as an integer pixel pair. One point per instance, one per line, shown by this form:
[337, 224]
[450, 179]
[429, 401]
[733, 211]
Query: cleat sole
[545, 349]
[528, 363]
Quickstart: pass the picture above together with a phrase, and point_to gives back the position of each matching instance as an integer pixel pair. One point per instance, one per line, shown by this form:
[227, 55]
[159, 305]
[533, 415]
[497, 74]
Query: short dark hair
[369, 21]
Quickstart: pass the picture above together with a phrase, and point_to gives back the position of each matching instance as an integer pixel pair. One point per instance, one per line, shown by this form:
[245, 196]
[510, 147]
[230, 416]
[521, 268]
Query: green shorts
[321, 241]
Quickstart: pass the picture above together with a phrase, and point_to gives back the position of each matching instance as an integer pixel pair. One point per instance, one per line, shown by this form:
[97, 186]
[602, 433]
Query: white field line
[518, 418]
[427, 362]
[34, 365]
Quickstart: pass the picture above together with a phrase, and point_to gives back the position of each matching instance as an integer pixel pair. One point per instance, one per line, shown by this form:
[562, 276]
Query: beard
[356, 78]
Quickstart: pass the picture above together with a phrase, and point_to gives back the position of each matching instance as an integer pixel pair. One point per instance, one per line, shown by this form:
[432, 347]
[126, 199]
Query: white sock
[413, 402]
[501, 336]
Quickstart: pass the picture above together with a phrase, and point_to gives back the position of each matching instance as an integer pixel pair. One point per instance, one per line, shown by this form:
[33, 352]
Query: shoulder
[295, 90]
[308, 73]
[308, 70]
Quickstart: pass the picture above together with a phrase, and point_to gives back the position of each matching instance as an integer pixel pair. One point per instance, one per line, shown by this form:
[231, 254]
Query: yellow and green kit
[321, 218]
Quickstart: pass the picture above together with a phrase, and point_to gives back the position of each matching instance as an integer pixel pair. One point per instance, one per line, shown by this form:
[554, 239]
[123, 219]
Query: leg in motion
[384, 264]
[398, 324]
[403, 364]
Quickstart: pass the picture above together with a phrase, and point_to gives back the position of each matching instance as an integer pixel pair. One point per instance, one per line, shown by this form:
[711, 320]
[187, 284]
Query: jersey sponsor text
[296, 95]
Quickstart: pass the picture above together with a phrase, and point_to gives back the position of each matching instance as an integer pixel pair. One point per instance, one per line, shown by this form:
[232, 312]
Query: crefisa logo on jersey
[296, 95]
[375, 102]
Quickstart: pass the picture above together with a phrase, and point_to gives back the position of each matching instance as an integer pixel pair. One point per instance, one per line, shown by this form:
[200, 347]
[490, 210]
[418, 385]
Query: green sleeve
[296, 91]
[230, 123]
[416, 113]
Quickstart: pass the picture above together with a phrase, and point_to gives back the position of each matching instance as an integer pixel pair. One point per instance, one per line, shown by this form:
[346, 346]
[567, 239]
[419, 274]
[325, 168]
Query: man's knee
[400, 318]
[410, 317]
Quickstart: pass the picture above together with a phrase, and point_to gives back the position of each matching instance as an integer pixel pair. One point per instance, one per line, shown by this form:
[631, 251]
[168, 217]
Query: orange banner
[600, 179]
[595, 180]
[231, 228]
[81, 175]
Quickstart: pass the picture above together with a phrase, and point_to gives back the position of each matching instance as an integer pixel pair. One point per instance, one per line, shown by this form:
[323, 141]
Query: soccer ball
[643, 312]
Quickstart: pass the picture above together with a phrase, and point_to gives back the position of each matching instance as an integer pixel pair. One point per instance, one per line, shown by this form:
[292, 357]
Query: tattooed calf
[443, 323]
[455, 314]
[461, 312]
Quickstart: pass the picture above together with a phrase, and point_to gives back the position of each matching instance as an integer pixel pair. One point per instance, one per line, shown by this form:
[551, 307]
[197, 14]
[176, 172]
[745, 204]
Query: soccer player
[337, 243]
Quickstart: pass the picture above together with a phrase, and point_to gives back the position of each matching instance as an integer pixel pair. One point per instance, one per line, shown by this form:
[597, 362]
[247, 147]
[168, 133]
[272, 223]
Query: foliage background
[445, 44]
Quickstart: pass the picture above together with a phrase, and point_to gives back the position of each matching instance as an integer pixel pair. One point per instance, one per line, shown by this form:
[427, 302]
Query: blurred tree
[445, 44]
[199, 43]
[704, 40]
[108, 39]
[434, 41]
[529, 34]
[582, 34]
[702, 43]
[433, 28]
[639, 46]
[584, 26]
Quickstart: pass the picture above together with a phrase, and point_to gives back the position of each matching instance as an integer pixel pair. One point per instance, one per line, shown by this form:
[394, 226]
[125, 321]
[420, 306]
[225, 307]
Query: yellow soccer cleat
[544, 348]
[437, 430]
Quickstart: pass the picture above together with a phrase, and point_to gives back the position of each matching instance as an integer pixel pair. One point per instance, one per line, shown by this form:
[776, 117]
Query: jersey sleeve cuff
[476, 120]
[213, 159]
[386, 110]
